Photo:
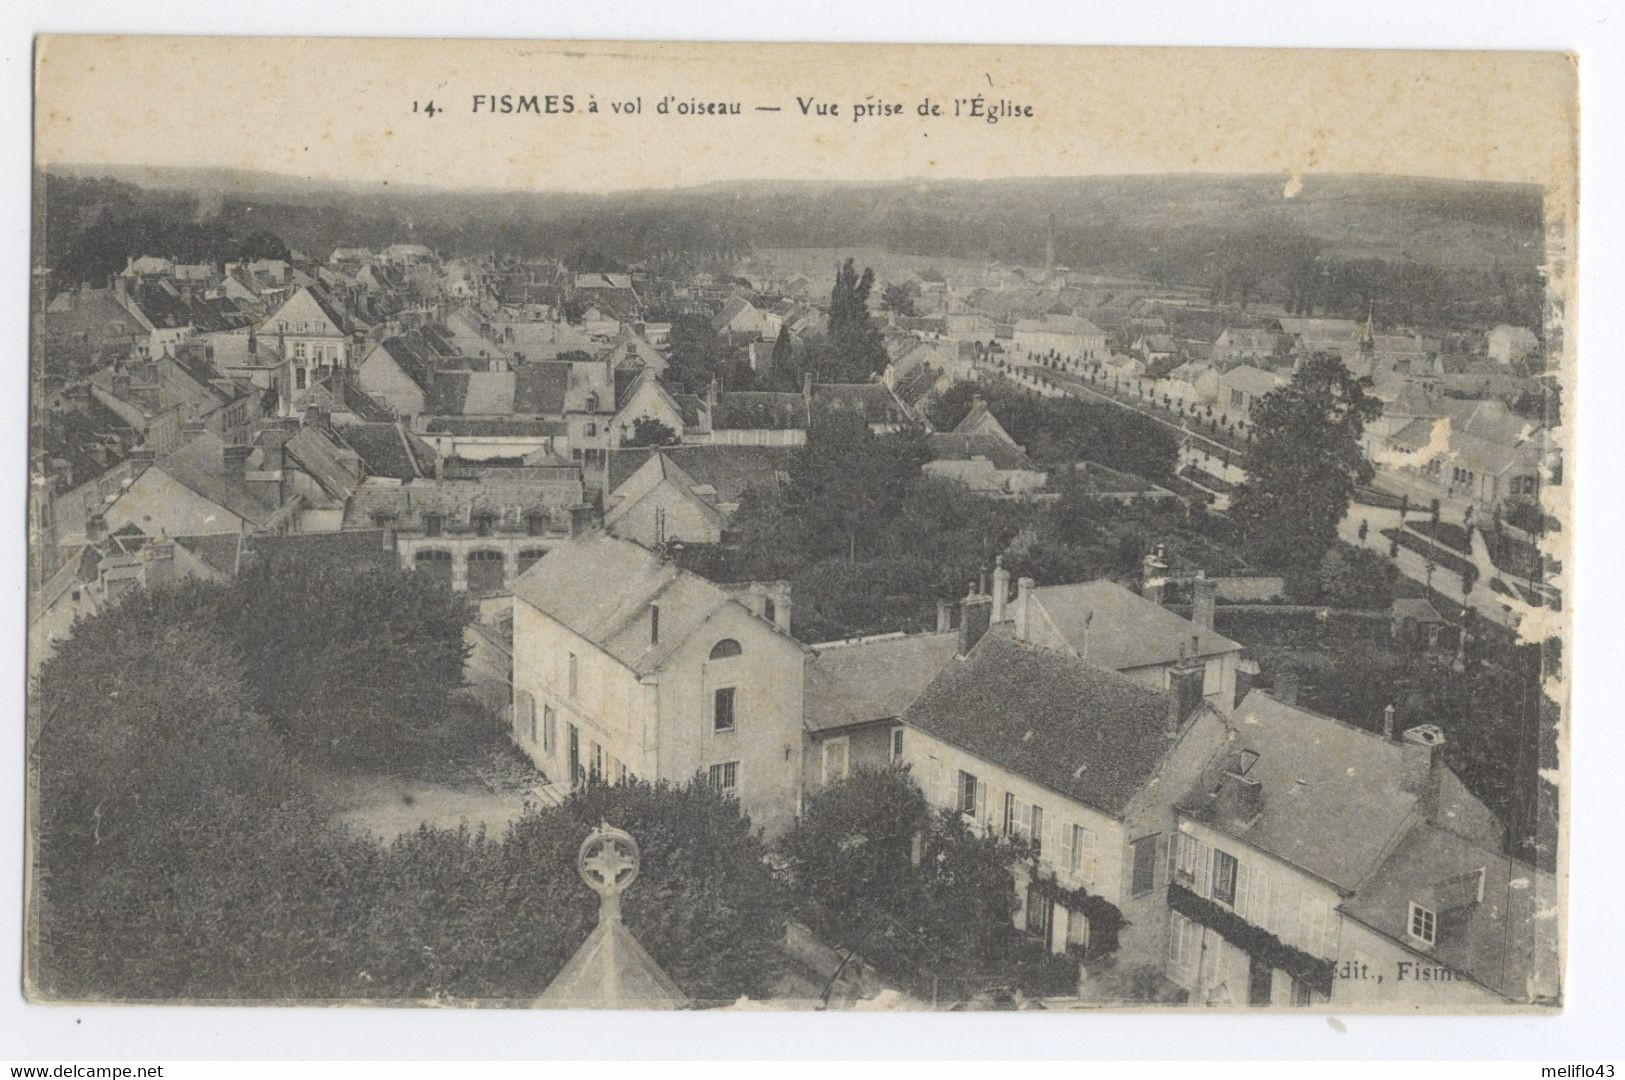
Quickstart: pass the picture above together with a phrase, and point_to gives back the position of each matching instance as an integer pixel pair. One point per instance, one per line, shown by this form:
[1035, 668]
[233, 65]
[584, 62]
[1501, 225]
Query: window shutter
[1260, 911]
[1162, 857]
[981, 804]
[1066, 847]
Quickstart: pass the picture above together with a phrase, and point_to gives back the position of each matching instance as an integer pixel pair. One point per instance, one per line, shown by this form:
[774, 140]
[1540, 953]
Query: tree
[460, 913]
[378, 653]
[1304, 464]
[783, 349]
[899, 298]
[574, 309]
[873, 867]
[853, 350]
[648, 431]
[846, 483]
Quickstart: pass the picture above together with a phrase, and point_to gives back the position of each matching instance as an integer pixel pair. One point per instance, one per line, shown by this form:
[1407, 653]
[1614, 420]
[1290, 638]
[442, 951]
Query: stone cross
[608, 863]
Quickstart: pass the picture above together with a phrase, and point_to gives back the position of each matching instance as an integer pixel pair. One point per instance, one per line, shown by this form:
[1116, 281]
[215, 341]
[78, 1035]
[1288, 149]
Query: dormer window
[433, 524]
[484, 523]
[592, 402]
[1424, 924]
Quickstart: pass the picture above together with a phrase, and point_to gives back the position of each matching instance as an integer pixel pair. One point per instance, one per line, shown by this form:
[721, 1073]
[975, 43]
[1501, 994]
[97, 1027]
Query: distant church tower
[1049, 246]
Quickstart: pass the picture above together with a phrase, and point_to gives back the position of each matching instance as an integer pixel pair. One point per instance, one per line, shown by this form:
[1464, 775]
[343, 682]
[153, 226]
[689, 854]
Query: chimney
[757, 600]
[1246, 678]
[1388, 722]
[945, 616]
[1001, 590]
[1423, 767]
[780, 592]
[1286, 687]
[1204, 596]
[1151, 582]
[806, 388]
[1185, 685]
[234, 461]
[1024, 603]
[974, 613]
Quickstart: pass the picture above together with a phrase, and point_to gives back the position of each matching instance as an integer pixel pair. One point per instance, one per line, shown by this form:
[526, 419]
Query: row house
[1080, 762]
[1320, 863]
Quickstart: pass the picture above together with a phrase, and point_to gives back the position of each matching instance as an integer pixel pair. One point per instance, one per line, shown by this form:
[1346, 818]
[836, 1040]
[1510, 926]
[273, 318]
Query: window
[549, 732]
[967, 793]
[1145, 865]
[527, 714]
[725, 777]
[835, 759]
[897, 744]
[1009, 813]
[597, 762]
[1235, 398]
[299, 350]
[298, 378]
[725, 648]
[1038, 915]
[433, 523]
[722, 709]
[1078, 851]
[1302, 996]
[572, 676]
[1038, 831]
[592, 406]
[1424, 924]
[1224, 877]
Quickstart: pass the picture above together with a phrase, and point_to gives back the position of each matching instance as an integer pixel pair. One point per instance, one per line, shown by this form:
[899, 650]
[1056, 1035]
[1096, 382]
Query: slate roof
[1507, 941]
[220, 552]
[198, 465]
[730, 470]
[1127, 631]
[1090, 734]
[1250, 380]
[601, 586]
[1333, 796]
[863, 681]
[494, 427]
[387, 450]
[314, 450]
[954, 446]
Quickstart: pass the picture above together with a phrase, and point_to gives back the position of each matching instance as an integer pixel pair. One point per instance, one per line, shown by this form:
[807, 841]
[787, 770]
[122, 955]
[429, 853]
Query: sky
[355, 110]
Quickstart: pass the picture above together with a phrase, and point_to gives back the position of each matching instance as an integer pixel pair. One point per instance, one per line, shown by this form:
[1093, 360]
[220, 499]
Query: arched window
[725, 648]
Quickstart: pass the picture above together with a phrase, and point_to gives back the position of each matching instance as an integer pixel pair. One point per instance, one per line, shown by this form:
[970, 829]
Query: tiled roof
[1117, 628]
[875, 401]
[863, 681]
[355, 549]
[540, 386]
[1090, 734]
